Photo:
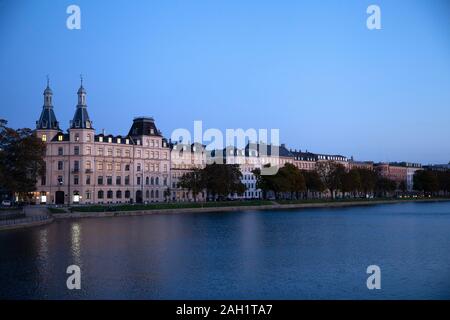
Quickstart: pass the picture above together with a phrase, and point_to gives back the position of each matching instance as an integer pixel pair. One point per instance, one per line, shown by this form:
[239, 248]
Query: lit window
[100, 139]
[44, 137]
[60, 138]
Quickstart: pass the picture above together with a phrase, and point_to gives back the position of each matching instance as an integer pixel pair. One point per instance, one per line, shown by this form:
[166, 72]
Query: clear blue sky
[310, 68]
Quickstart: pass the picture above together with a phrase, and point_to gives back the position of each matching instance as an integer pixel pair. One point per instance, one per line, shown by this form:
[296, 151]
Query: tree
[384, 186]
[313, 182]
[221, 180]
[193, 181]
[426, 181]
[21, 160]
[167, 193]
[368, 180]
[331, 173]
[351, 181]
[402, 186]
[290, 179]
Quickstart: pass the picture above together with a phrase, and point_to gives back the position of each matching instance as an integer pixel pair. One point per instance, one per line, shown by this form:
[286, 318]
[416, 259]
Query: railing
[23, 220]
[88, 171]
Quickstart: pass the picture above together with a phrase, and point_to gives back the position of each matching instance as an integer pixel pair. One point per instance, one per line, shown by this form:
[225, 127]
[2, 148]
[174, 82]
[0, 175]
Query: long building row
[83, 167]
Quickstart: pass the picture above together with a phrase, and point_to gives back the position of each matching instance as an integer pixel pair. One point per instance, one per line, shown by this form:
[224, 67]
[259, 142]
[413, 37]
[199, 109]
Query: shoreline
[276, 206]
[76, 215]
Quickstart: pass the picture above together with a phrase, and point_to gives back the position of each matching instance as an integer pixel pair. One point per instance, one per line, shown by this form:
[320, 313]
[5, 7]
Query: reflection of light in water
[42, 261]
[75, 232]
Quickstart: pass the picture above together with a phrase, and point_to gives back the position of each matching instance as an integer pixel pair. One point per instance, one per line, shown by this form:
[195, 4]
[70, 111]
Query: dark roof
[304, 156]
[269, 150]
[47, 120]
[144, 126]
[81, 118]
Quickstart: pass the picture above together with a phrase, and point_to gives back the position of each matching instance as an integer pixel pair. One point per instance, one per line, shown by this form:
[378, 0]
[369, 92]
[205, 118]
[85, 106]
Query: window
[127, 167]
[147, 181]
[88, 179]
[88, 165]
[118, 180]
[88, 195]
[88, 138]
[109, 166]
[118, 152]
[44, 137]
[110, 152]
[138, 153]
[60, 165]
[138, 181]
[127, 141]
[147, 194]
[100, 139]
[127, 194]
[119, 194]
[100, 166]
[127, 180]
[109, 180]
[60, 180]
[117, 166]
[100, 180]
[109, 194]
[152, 181]
[119, 140]
[75, 180]
[109, 139]
[43, 181]
[138, 167]
[100, 194]
[157, 181]
[76, 150]
[76, 165]
[60, 138]
[88, 150]
[127, 153]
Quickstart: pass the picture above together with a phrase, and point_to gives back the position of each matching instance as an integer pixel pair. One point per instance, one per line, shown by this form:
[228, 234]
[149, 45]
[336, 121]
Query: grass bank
[161, 206]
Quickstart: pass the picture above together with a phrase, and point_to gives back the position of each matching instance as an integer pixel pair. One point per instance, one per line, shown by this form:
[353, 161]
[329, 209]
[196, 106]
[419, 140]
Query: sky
[311, 69]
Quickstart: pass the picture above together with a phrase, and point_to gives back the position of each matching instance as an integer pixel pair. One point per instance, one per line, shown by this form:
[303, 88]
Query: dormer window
[127, 141]
[109, 139]
[152, 131]
[119, 140]
[100, 139]
[44, 137]
[60, 138]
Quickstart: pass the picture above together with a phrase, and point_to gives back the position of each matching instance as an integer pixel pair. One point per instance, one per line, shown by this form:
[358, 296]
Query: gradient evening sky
[310, 68]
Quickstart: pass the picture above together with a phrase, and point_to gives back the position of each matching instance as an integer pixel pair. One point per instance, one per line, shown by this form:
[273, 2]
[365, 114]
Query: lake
[285, 254]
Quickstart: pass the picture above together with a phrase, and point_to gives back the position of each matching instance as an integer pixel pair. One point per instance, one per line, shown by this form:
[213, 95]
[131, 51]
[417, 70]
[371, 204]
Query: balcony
[75, 170]
[88, 171]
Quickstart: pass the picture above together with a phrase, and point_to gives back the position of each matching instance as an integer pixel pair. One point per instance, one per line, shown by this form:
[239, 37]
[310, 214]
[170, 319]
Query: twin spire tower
[48, 121]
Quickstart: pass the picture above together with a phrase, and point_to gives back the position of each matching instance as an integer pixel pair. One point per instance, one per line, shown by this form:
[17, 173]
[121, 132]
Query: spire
[81, 118]
[47, 120]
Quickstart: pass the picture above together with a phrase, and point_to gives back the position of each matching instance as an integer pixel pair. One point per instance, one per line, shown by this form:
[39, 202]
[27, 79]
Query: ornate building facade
[83, 167]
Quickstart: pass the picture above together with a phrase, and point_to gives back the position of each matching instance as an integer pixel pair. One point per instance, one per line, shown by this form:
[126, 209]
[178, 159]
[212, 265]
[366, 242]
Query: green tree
[193, 181]
[331, 174]
[21, 160]
[313, 182]
[351, 182]
[221, 180]
[426, 181]
[368, 180]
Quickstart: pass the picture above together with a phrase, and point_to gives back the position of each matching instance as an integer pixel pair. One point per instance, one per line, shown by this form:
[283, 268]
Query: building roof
[144, 126]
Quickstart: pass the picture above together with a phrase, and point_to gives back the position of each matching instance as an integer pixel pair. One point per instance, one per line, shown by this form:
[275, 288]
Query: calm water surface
[300, 254]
